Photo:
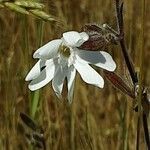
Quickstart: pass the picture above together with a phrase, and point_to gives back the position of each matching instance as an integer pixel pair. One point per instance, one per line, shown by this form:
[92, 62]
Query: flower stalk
[36, 94]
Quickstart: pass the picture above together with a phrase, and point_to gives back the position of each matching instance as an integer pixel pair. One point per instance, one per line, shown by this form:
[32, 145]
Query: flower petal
[45, 77]
[84, 36]
[58, 80]
[35, 71]
[75, 39]
[88, 74]
[70, 82]
[49, 50]
[99, 58]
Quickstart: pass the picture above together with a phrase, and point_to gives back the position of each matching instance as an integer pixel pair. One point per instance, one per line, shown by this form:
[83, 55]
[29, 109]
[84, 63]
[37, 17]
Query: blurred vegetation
[98, 119]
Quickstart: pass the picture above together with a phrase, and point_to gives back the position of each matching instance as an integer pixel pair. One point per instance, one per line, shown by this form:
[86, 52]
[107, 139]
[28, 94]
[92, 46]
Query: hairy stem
[128, 60]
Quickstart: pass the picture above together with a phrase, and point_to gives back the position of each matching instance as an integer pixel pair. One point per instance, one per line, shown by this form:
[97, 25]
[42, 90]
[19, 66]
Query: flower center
[64, 50]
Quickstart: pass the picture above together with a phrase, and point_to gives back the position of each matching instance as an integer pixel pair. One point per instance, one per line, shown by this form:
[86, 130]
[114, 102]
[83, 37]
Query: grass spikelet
[16, 8]
[29, 4]
[42, 15]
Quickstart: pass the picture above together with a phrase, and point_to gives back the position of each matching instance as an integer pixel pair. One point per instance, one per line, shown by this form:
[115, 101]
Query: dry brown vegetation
[98, 119]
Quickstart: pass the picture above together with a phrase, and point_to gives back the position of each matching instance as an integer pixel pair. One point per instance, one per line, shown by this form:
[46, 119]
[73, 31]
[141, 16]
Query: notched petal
[98, 58]
[45, 77]
[70, 82]
[74, 38]
[35, 71]
[88, 74]
[49, 50]
[57, 83]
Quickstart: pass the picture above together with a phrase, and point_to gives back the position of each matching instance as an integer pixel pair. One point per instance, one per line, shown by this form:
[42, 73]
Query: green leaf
[29, 4]
[16, 8]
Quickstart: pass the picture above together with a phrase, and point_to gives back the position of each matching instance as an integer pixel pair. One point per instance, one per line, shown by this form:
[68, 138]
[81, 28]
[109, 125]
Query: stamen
[64, 50]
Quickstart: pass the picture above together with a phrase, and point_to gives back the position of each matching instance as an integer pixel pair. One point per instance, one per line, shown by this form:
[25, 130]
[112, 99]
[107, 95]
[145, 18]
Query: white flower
[60, 58]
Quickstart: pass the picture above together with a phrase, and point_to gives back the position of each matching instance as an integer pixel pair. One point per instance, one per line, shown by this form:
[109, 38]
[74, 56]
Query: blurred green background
[98, 119]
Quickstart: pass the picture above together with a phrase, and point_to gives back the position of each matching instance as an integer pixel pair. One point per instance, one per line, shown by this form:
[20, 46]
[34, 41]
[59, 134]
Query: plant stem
[128, 60]
[35, 102]
[130, 66]
[145, 126]
[141, 78]
[36, 94]
[72, 129]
